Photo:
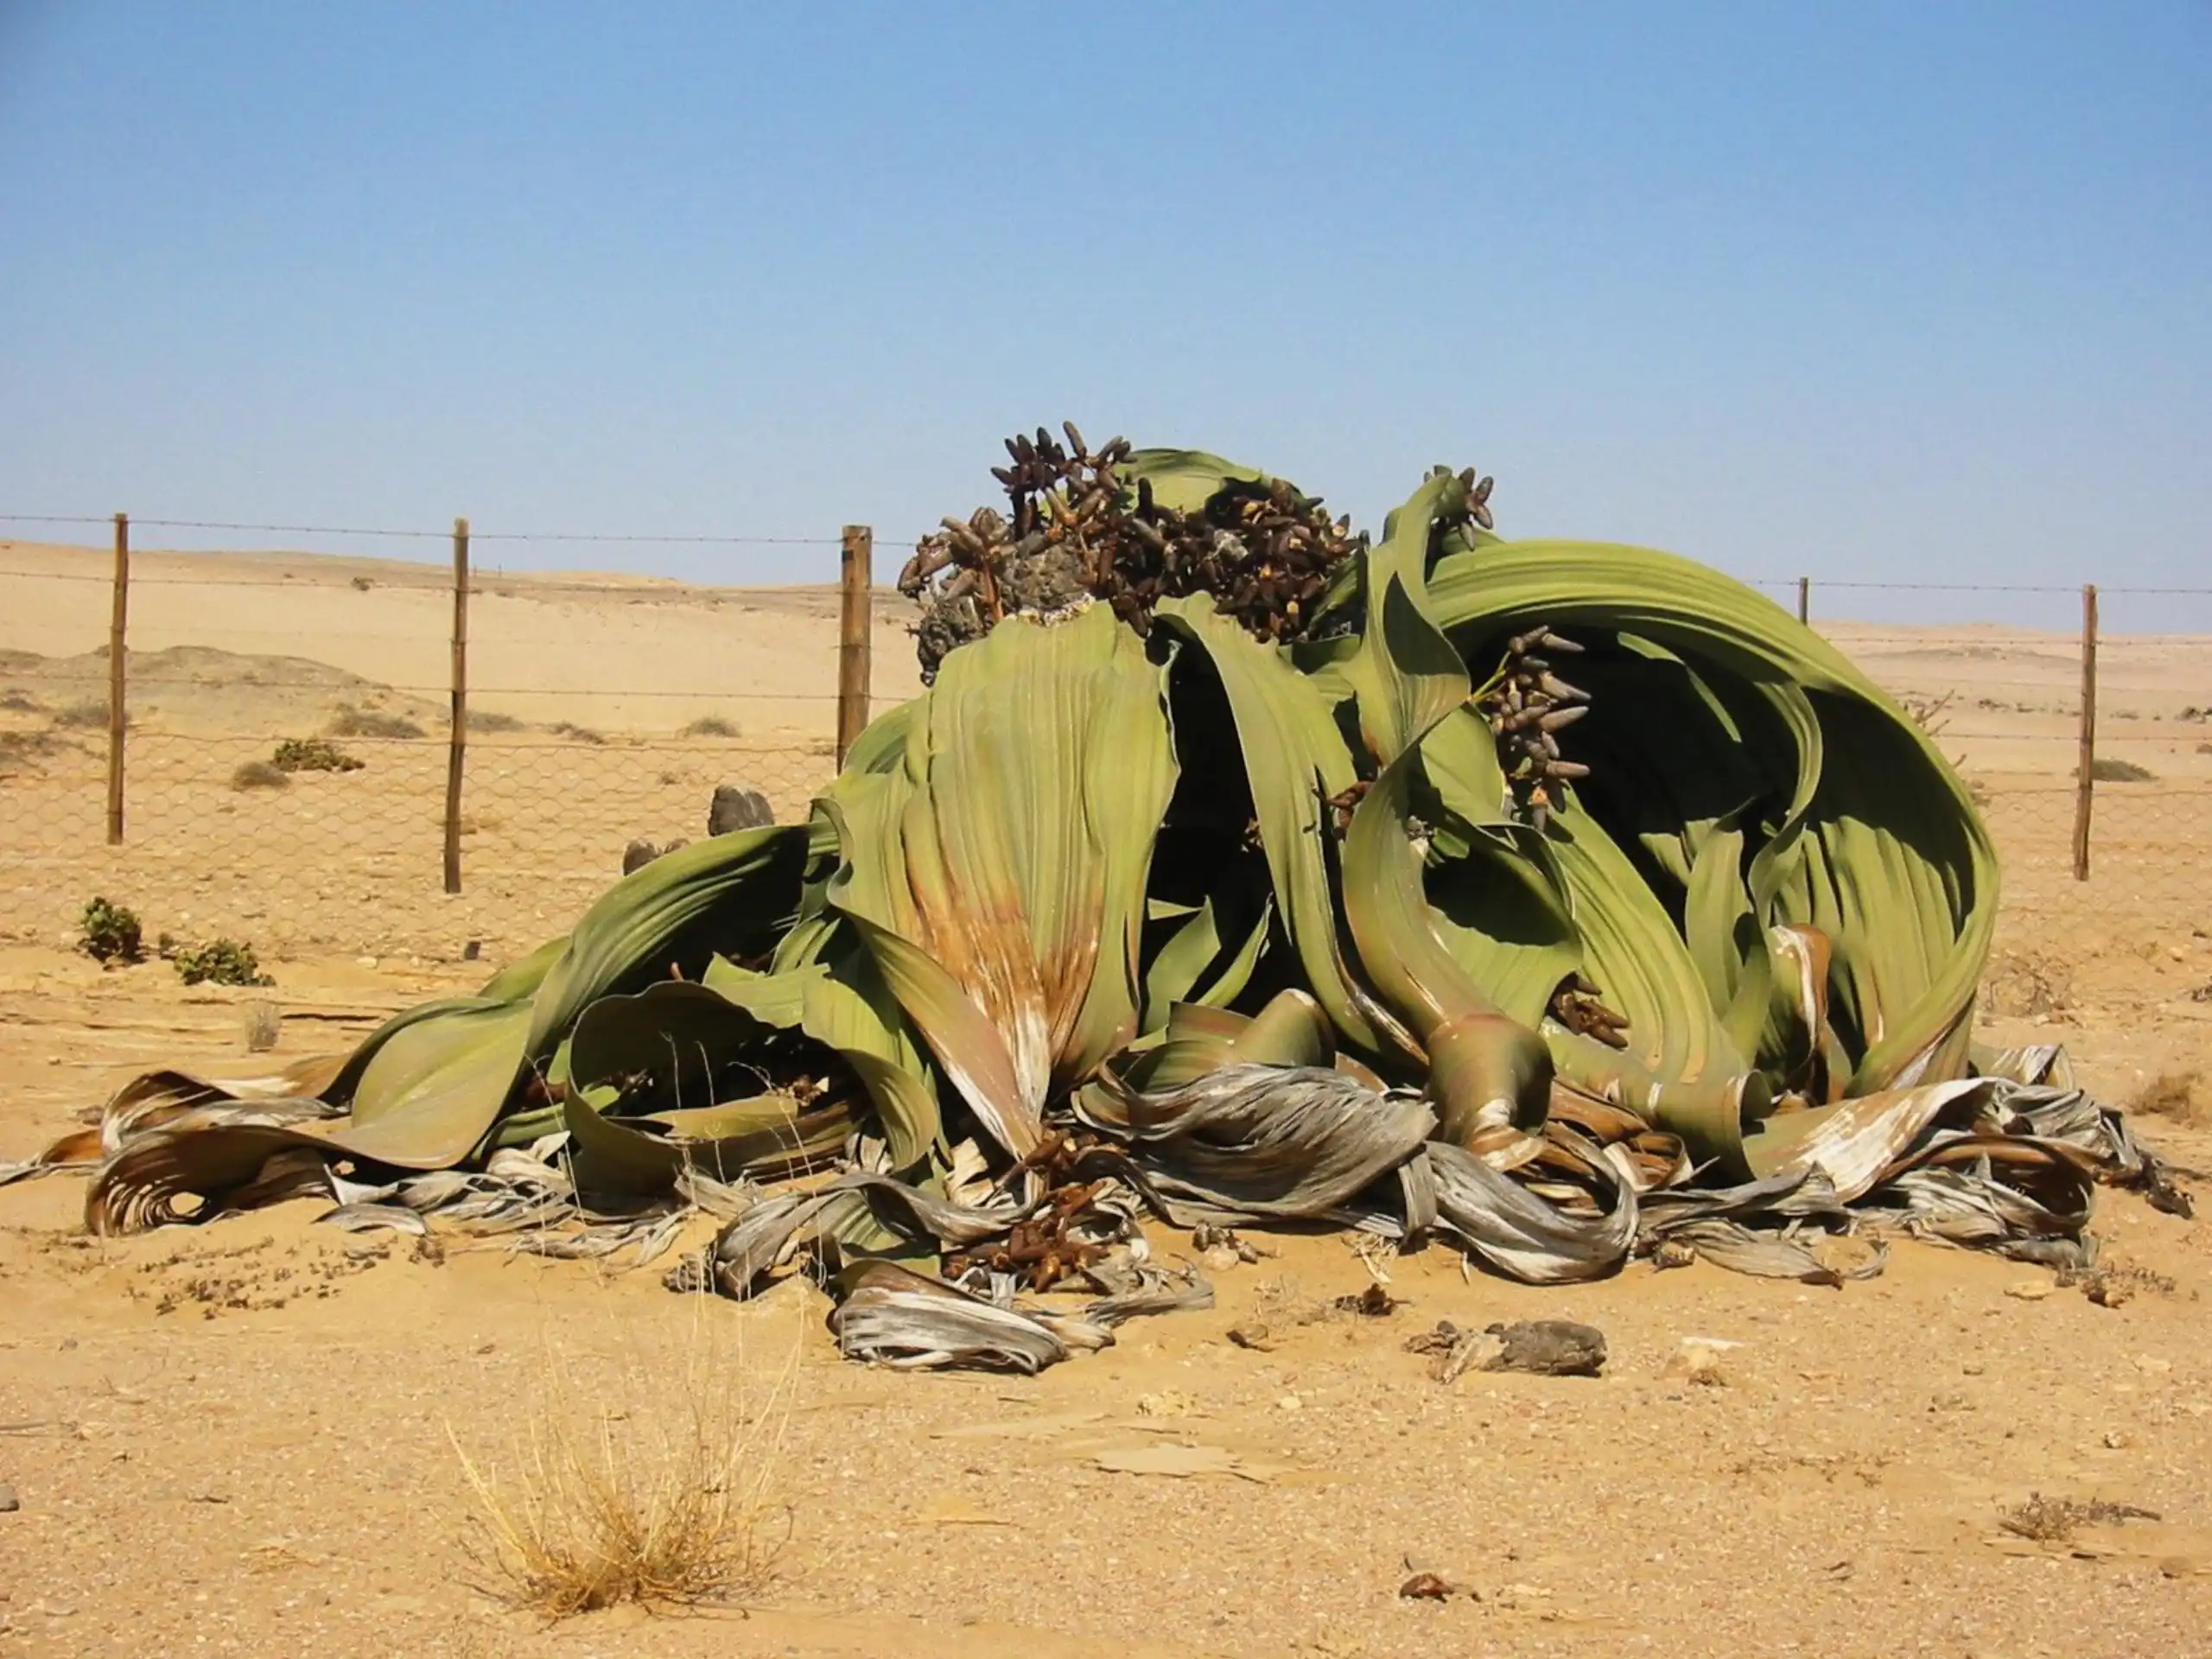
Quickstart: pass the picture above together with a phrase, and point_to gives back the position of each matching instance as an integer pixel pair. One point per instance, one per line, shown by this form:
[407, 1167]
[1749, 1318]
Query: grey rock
[945, 626]
[738, 808]
[1051, 580]
[1548, 1348]
[8, 1501]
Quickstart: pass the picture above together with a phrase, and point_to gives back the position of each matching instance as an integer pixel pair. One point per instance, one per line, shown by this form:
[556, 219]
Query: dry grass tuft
[2025, 986]
[2176, 1094]
[711, 726]
[84, 713]
[2055, 1520]
[346, 721]
[20, 748]
[2107, 770]
[260, 774]
[668, 1500]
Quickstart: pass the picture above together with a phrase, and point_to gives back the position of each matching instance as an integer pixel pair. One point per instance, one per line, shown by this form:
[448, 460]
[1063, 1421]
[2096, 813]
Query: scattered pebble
[1430, 1587]
[1698, 1361]
[1373, 1303]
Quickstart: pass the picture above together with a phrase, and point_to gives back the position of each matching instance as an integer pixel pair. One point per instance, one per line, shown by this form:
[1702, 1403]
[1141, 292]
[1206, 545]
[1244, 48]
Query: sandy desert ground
[250, 1437]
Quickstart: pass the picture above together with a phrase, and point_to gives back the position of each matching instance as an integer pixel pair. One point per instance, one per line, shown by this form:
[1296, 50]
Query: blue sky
[1877, 291]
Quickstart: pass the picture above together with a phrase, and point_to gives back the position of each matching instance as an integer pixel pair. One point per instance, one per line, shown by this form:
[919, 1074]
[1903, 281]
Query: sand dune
[623, 654]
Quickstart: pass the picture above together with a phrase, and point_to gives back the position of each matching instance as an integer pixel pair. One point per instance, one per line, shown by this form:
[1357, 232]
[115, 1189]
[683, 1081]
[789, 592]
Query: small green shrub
[350, 722]
[313, 755]
[490, 719]
[260, 774]
[17, 702]
[84, 711]
[111, 933]
[574, 733]
[219, 962]
[2106, 770]
[711, 726]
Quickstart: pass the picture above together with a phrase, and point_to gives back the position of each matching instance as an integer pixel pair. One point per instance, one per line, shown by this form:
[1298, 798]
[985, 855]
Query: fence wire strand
[573, 751]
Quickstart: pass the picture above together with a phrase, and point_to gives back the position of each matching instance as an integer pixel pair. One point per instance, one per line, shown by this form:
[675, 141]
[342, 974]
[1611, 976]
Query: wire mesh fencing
[288, 737]
[345, 853]
[2106, 912]
[288, 742]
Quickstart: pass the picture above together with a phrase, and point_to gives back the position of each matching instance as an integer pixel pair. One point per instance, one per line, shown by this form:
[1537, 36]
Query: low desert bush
[111, 933]
[313, 755]
[349, 721]
[219, 962]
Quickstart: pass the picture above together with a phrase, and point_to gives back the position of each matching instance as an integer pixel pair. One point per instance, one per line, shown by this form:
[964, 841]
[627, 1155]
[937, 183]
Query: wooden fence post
[2086, 766]
[458, 744]
[118, 717]
[855, 624]
[1805, 598]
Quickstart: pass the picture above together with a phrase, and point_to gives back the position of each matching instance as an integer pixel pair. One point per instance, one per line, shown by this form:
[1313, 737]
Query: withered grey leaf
[891, 1315]
[1250, 1140]
[1520, 1234]
[1157, 1291]
[366, 1218]
[1765, 1255]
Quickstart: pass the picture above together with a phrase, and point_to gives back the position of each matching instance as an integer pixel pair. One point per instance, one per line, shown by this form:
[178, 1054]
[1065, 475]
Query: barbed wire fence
[279, 758]
[2090, 752]
[265, 744]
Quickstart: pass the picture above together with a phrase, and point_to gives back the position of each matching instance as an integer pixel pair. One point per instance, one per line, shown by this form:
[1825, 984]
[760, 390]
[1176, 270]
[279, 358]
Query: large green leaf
[685, 1043]
[1294, 759]
[1496, 897]
[1882, 847]
[1486, 1067]
[1204, 962]
[735, 894]
[1184, 480]
[430, 1092]
[999, 879]
[832, 990]
[1679, 1066]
